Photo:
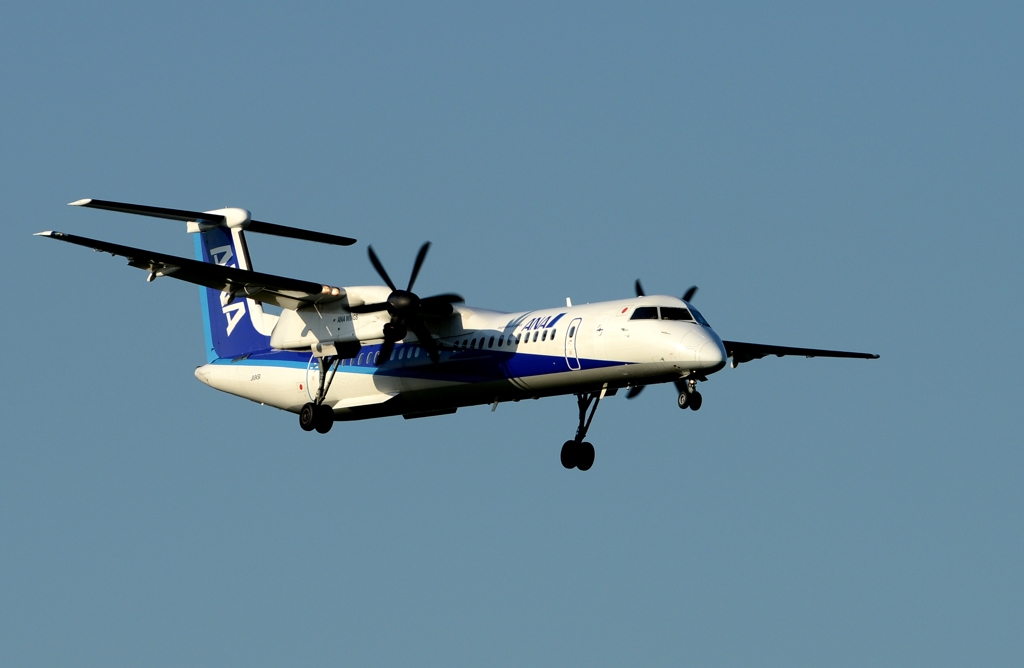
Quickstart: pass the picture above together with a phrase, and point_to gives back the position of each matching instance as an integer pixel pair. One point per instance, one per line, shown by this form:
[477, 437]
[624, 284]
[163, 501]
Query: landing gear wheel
[307, 417]
[684, 399]
[695, 401]
[584, 456]
[324, 419]
[569, 454]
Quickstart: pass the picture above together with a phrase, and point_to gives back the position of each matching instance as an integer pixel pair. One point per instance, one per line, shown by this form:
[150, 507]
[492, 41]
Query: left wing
[745, 352]
[281, 291]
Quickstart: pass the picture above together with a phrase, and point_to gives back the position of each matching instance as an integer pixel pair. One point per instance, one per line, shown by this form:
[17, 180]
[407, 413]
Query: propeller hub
[402, 301]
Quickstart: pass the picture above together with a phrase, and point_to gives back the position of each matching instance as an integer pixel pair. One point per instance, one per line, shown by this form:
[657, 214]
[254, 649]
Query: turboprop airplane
[373, 351]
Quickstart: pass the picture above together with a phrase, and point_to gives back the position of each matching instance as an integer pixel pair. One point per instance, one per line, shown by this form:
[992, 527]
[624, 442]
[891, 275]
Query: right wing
[281, 291]
[745, 352]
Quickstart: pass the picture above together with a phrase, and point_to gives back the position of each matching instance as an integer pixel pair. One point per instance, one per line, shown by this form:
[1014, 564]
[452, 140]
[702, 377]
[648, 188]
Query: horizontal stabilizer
[217, 218]
[281, 291]
[745, 352]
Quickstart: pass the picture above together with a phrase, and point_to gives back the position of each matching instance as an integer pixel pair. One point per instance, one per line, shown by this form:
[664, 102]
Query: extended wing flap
[281, 291]
[745, 352]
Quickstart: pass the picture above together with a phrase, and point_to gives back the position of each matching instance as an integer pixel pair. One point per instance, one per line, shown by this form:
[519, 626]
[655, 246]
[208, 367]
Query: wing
[745, 352]
[214, 218]
[281, 291]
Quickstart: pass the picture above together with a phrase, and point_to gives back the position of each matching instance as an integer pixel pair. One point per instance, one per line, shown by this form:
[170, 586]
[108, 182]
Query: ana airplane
[363, 352]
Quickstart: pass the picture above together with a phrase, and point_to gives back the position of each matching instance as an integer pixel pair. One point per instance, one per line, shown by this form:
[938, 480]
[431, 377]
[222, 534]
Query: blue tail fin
[234, 329]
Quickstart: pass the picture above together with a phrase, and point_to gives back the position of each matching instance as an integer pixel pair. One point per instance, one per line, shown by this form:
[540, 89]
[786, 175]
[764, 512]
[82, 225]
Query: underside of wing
[745, 352]
[281, 291]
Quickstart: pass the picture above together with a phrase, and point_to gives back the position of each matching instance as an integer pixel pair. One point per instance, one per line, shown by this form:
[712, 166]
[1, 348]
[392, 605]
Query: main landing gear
[577, 453]
[689, 397]
[315, 414]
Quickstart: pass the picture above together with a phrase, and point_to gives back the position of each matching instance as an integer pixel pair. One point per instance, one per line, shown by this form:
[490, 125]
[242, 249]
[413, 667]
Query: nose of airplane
[712, 354]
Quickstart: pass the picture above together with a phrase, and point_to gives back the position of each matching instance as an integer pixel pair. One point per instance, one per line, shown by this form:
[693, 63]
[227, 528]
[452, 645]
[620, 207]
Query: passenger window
[376, 357]
[416, 351]
[501, 340]
[645, 313]
[544, 336]
[572, 331]
[401, 354]
[675, 313]
[490, 344]
[535, 335]
[472, 344]
[553, 334]
[360, 362]
[393, 353]
[465, 343]
[517, 339]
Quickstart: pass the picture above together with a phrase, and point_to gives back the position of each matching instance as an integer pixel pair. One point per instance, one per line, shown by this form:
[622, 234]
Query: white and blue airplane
[364, 352]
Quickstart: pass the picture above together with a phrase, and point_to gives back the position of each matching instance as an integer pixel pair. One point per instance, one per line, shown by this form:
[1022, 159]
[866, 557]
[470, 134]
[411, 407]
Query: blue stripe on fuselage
[465, 366]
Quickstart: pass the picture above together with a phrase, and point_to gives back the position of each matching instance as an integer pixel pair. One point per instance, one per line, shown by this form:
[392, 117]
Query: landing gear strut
[316, 415]
[689, 397]
[577, 453]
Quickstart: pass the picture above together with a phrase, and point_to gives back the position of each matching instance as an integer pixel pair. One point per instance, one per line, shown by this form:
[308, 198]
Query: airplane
[361, 352]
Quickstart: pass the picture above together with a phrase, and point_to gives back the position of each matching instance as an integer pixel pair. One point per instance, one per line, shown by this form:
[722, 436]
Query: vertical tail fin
[239, 327]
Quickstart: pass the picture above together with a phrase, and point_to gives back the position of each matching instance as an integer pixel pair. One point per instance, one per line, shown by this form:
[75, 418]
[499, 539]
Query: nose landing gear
[315, 414]
[578, 453]
[689, 397]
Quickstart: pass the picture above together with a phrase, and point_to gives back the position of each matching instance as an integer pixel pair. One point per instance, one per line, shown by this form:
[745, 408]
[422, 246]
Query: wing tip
[81, 202]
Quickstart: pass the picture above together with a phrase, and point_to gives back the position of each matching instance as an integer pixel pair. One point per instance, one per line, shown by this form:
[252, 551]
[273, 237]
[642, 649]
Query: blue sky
[831, 176]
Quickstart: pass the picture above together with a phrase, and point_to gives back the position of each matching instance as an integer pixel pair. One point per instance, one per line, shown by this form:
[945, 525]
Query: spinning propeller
[407, 310]
[680, 384]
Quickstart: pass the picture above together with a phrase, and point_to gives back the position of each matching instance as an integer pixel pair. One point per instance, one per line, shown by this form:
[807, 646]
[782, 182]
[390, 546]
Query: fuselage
[487, 357]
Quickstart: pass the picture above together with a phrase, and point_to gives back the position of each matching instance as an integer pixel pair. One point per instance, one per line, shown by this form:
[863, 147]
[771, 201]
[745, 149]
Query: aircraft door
[571, 334]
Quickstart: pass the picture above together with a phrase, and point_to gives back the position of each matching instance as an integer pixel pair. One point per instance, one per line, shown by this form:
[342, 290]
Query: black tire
[695, 401]
[324, 419]
[569, 454]
[684, 399]
[307, 417]
[584, 456]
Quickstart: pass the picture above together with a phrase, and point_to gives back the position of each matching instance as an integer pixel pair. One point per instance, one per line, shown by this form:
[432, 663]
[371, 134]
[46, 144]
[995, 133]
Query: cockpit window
[645, 313]
[674, 313]
[699, 317]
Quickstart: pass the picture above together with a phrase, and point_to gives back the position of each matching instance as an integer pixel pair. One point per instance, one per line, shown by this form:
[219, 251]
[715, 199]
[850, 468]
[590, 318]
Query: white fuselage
[486, 357]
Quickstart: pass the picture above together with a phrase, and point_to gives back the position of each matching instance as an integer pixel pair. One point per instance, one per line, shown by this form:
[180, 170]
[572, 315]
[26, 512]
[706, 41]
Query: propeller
[686, 297]
[407, 309]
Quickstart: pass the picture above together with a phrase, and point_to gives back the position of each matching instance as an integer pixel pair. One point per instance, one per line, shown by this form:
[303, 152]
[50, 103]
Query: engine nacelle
[330, 323]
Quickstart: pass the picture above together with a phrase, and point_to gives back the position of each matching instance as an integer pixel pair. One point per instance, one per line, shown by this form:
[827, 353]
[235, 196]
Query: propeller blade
[380, 268]
[447, 298]
[439, 305]
[422, 255]
[367, 308]
[426, 339]
[690, 293]
[634, 392]
[639, 289]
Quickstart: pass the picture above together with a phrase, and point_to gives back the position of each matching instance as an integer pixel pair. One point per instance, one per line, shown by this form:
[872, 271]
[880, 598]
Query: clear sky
[846, 175]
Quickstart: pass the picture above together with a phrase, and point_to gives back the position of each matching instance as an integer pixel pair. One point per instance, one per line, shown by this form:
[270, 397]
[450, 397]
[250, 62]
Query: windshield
[674, 313]
[645, 313]
[699, 317]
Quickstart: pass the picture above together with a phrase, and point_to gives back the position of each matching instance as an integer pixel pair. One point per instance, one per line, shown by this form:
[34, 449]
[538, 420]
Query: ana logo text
[234, 311]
